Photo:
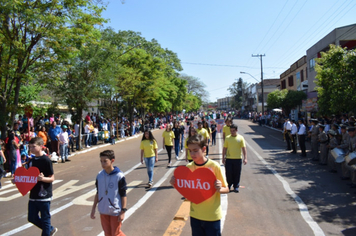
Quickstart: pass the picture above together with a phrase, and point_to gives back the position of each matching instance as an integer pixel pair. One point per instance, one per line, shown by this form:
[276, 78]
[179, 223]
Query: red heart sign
[196, 186]
[25, 179]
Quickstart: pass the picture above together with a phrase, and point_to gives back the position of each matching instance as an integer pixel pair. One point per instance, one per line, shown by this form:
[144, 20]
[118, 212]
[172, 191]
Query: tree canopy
[35, 36]
[286, 99]
[336, 81]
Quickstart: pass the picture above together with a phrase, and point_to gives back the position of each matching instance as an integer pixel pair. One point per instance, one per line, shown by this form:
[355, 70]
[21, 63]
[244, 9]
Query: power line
[249, 67]
[269, 29]
[302, 43]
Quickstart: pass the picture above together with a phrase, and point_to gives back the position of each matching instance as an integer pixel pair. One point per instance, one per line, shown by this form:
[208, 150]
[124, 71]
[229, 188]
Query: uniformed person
[313, 134]
[293, 135]
[332, 144]
[351, 147]
[323, 140]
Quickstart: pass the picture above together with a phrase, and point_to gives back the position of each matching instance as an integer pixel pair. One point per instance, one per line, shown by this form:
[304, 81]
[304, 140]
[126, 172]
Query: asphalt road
[281, 194]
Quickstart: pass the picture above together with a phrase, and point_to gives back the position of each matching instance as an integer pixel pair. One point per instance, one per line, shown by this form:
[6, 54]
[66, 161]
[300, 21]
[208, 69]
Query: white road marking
[302, 207]
[149, 192]
[16, 195]
[82, 200]
[28, 225]
[53, 212]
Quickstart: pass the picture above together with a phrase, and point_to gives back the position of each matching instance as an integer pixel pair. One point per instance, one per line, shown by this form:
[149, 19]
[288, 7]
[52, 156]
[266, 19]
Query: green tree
[287, 99]
[237, 89]
[336, 81]
[34, 37]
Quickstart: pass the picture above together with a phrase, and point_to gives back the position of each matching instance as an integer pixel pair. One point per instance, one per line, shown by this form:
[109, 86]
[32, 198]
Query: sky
[215, 40]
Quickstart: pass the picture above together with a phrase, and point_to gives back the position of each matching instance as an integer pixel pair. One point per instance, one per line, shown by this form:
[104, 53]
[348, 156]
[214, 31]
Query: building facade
[342, 36]
[296, 76]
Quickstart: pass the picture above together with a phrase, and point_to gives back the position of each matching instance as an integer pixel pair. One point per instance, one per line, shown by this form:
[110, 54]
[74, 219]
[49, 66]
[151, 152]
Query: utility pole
[263, 100]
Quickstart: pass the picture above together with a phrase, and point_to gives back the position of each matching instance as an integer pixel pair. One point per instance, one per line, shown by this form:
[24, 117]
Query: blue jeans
[176, 146]
[205, 228]
[87, 139]
[64, 151]
[13, 166]
[182, 142]
[150, 163]
[213, 140]
[44, 223]
[233, 172]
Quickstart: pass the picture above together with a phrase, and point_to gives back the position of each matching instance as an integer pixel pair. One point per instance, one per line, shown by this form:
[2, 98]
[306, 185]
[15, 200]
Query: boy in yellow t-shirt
[226, 128]
[233, 146]
[205, 217]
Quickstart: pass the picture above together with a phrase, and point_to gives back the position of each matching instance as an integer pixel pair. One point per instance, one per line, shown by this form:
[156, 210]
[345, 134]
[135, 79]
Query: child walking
[148, 148]
[41, 193]
[110, 196]
[205, 217]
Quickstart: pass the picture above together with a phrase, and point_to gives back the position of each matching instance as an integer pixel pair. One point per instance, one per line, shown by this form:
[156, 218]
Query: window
[290, 81]
[301, 76]
[311, 64]
[283, 84]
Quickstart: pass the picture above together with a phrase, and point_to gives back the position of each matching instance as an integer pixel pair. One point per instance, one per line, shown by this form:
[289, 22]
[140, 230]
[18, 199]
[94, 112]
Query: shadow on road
[335, 201]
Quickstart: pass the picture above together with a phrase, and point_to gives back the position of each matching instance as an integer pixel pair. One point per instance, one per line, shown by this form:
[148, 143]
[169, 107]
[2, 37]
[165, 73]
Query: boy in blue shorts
[110, 195]
[205, 216]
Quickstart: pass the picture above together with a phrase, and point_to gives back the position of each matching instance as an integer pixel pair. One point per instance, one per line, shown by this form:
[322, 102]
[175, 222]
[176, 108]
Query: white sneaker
[53, 232]
[177, 158]
[181, 150]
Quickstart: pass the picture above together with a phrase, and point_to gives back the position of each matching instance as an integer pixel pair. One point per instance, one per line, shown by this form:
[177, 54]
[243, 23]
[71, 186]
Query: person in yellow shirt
[168, 143]
[192, 132]
[149, 154]
[205, 216]
[203, 132]
[233, 146]
[226, 128]
[207, 128]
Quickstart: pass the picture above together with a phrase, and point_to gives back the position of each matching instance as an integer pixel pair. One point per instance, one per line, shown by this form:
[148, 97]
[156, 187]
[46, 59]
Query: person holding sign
[205, 216]
[233, 145]
[168, 137]
[41, 193]
[149, 154]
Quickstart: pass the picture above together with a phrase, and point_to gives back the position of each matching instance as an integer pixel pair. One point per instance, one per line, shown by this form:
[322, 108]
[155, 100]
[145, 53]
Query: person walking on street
[234, 148]
[207, 128]
[301, 137]
[177, 132]
[226, 128]
[213, 133]
[149, 154]
[168, 137]
[182, 132]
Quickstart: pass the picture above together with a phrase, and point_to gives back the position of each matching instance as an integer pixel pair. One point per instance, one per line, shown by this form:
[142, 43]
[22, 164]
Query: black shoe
[236, 190]
[293, 152]
[67, 160]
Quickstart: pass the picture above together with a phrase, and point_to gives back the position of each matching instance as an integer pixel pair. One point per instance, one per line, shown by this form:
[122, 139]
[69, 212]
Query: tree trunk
[3, 118]
[16, 100]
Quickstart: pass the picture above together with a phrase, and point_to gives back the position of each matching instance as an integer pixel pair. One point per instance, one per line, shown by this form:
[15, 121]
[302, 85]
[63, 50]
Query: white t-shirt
[86, 129]
[63, 137]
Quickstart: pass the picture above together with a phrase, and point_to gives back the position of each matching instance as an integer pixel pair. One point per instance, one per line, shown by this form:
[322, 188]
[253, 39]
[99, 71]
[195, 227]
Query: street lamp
[263, 105]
